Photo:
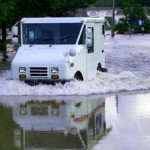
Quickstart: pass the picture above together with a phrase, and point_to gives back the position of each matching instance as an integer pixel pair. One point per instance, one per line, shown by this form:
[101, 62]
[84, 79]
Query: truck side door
[95, 52]
[90, 58]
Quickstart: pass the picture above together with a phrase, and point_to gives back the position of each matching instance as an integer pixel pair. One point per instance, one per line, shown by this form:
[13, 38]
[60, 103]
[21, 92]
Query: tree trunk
[4, 34]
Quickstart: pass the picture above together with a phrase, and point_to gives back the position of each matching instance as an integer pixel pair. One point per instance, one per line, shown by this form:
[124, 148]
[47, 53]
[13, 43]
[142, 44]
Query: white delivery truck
[58, 49]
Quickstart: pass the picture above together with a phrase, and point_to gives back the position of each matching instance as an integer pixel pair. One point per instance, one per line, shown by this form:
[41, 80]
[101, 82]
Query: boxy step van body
[58, 49]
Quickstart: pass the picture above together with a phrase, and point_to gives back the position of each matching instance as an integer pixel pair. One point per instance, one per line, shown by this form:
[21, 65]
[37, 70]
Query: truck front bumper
[46, 81]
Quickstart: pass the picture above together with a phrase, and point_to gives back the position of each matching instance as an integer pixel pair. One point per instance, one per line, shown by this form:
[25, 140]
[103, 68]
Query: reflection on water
[106, 122]
[52, 123]
[129, 116]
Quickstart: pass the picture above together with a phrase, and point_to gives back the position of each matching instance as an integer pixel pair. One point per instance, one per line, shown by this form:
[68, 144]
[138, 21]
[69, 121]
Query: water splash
[103, 83]
[127, 60]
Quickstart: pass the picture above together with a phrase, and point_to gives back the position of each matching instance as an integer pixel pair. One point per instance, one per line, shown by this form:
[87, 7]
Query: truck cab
[58, 49]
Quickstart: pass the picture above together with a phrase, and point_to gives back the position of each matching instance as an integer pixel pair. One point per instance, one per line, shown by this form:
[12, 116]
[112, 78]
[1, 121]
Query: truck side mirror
[14, 30]
[15, 40]
[15, 35]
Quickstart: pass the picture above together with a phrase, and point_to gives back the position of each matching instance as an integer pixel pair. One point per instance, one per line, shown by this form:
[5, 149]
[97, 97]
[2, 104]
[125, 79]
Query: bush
[2, 46]
[122, 26]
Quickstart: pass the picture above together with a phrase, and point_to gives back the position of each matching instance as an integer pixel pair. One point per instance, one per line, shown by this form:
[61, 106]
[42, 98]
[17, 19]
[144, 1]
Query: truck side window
[91, 48]
[82, 37]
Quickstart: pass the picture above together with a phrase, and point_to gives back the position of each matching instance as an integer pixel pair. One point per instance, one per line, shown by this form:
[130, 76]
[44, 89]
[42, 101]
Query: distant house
[104, 12]
[100, 12]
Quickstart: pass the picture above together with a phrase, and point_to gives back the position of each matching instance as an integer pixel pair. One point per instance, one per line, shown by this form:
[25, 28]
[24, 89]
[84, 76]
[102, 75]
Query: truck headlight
[22, 69]
[54, 70]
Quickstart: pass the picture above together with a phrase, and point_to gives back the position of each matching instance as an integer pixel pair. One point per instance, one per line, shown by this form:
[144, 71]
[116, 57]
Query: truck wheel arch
[99, 68]
[78, 76]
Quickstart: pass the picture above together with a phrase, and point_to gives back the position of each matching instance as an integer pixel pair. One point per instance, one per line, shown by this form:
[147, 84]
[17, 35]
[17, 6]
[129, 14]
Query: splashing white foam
[127, 59]
[103, 83]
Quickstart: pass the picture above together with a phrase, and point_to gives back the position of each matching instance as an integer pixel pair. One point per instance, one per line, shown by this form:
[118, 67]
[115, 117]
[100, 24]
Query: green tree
[50, 7]
[133, 12]
[107, 3]
[6, 11]
[119, 3]
[13, 10]
[144, 2]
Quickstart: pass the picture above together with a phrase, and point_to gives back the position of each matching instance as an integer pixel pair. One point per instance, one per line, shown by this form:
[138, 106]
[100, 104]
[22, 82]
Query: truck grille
[38, 72]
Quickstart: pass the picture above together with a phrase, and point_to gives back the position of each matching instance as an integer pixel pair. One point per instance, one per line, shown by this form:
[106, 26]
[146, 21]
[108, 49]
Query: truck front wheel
[78, 76]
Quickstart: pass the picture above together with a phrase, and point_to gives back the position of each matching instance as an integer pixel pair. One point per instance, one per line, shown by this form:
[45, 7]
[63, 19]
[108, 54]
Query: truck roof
[61, 20]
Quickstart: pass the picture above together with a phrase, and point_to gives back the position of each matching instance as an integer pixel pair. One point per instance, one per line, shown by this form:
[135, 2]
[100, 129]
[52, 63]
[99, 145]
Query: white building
[104, 12]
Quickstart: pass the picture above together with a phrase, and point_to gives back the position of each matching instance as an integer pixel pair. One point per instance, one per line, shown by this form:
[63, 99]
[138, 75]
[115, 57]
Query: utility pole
[113, 20]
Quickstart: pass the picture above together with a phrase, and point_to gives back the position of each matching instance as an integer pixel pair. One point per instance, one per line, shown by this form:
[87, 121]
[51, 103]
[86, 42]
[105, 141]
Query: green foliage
[50, 7]
[133, 12]
[119, 3]
[107, 3]
[109, 19]
[103, 3]
[4, 65]
[13, 10]
[122, 26]
[144, 2]
[147, 26]
[6, 10]
[6, 17]
[2, 46]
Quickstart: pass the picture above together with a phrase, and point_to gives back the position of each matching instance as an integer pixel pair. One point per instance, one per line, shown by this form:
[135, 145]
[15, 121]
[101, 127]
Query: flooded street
[110, 112]
[109, 122]
[129, 117]
[128, 53]
[127, 60]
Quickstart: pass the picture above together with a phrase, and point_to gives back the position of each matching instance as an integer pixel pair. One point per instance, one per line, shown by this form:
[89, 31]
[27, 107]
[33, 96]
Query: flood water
[110, 112]
[128, 63]
[109, 122]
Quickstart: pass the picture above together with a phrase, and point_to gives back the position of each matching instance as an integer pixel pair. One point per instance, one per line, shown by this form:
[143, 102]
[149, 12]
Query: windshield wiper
[64, 38]
[41, 40]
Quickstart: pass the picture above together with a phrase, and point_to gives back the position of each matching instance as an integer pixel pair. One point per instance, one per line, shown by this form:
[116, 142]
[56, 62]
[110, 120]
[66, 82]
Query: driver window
[82, 37]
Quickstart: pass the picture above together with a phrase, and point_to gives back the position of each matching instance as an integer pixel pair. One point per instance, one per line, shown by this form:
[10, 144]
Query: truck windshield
[51, 33]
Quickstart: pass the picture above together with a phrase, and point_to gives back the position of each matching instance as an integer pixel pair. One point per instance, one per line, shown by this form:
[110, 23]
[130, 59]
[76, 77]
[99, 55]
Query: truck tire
[78, 76]
[99, 68]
